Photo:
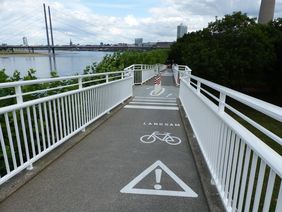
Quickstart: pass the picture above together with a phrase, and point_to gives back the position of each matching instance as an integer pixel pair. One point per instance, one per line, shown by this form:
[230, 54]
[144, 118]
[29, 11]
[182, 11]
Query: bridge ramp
[114, 169]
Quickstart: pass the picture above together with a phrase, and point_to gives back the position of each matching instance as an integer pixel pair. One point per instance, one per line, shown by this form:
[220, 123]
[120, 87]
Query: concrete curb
[212, 196]
[24, 177]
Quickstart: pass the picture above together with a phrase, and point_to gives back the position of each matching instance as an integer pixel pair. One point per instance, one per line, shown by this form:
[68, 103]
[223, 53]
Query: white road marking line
[153, 103]
[154, 100]
[187, 191]
[152, 93]
[150, 107]
[169, 95]
[150, 97]
[158, 173]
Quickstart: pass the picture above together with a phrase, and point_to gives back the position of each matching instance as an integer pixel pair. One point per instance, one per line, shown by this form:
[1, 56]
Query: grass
[267, 122]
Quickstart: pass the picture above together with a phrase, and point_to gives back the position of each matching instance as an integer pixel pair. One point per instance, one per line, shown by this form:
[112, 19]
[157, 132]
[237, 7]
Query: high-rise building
[266, 11]
[181, 30]
[25, 43]
[138, 41]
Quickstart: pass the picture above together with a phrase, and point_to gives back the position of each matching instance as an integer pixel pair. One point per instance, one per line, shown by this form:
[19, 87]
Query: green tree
[118, 61]
[234, 51]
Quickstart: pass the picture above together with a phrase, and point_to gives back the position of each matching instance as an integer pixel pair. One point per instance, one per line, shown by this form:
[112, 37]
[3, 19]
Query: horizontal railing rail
[55, 79]
[31, 129]
[144, 72]
[180, 71]
[21, 91]
[246, 170]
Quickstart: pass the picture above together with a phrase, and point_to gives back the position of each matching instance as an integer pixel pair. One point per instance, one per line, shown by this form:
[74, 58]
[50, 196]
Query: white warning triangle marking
[129, 188]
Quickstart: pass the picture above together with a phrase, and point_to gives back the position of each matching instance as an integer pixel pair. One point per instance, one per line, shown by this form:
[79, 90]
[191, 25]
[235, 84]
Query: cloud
[113, 6]
[131, 20]
[84, 24]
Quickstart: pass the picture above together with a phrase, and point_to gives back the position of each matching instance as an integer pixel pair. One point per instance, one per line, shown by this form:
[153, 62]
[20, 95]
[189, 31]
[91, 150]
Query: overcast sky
[113, 21]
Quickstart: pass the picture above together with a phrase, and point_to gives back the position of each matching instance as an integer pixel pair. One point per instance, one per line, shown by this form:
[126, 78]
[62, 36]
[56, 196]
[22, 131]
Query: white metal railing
[148, 74]
[245, 170]
[22, 91]
[143, 72]
[31, 129]
[162, 67]
[180, 71]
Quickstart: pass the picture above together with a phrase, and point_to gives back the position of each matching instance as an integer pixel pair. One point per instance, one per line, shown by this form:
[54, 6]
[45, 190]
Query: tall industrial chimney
[266, 11]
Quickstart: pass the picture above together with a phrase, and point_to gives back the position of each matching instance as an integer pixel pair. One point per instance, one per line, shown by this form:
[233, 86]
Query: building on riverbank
[138, 41]
[25, 43]
[181, 30]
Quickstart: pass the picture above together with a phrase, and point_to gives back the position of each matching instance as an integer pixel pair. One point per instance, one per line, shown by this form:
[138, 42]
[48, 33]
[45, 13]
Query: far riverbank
[21, 53]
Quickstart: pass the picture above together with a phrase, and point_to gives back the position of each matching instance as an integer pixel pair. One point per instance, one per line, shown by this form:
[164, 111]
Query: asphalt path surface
[138, 160]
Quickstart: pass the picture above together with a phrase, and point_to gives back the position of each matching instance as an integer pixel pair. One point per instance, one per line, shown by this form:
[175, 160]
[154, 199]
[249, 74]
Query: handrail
[55, 79]
[140, 72]
[266, 108]
[272, 158]
[49, 98]
[269, 109]
[46, 86]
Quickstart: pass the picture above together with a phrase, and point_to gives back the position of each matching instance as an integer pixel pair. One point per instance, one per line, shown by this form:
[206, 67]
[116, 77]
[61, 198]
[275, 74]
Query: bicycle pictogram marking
[167, 137]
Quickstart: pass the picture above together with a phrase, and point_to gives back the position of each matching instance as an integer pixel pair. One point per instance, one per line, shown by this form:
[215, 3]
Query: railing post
[141, 76]
[122, 75]
[107, 78]
[198, 87]
[189, 78]
[80, 87]
[80, 83]
[221, 106]
[133, 72]
[18, 91]
[30, 167]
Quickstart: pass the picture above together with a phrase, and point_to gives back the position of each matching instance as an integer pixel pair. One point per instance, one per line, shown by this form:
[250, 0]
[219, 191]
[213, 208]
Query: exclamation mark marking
[158, 173]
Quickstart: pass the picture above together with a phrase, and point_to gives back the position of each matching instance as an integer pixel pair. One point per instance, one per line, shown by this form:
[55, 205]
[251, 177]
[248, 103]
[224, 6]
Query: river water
[64, 62]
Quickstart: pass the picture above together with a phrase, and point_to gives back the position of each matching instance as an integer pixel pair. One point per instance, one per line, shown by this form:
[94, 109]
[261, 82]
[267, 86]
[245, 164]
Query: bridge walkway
[117, 168]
